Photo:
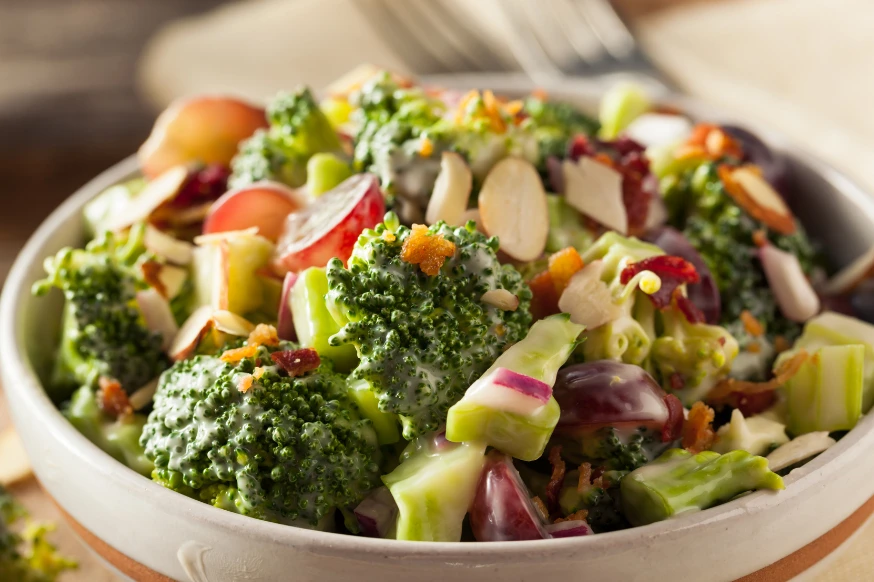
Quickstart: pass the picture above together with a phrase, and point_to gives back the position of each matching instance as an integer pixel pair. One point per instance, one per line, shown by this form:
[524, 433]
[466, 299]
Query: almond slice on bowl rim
[595, 189]
[848, 278]
[513, 207]
[158, 191]
[15, 466]
[757, 197]
[451, 191]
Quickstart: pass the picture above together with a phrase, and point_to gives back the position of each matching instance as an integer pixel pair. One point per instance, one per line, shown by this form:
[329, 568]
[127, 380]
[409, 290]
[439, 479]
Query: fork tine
[459, 32]
[608, 27]
[579, 34]
[392, 29]
[419, 26]
[528, 50]
[420, 16]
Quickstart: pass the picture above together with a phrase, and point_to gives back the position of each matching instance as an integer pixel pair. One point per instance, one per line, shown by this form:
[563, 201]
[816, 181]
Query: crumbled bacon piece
[544, 300]
[562, 266]
[264, 335]
[750, 404]
[540, 506]
[698, 429]
[754, 348]
[151, 271]
[672, 270]
[781, 344]
[710, 141]
[751, 324]
[784, 372]
[580, 515]
[245, 383]
[673, 427]
[429, 251]
[585, 477]
[556, 480]
[237, 354]
[297, 362]
[690, 311]
[112, 399]
[760, 238]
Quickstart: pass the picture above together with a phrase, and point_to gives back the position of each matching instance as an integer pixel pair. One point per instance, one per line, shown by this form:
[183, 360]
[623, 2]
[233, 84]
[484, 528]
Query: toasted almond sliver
[451, 192]
[231, 323]
[753, 193]
[143, 396]
[595, 189]
[848, 278]
[217, 237]
[174, 250]
[158, 191]
[192, 331]
[15, 465]
[501, 298]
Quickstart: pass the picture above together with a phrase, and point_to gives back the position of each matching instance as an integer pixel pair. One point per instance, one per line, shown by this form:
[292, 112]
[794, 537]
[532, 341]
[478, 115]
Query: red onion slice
[509, 391]
[569, 529]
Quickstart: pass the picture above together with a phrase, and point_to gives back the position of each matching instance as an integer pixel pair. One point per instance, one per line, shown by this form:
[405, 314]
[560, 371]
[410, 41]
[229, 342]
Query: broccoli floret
[554, 125]
[29, 556]
[723, 234]
[424, 339]
[298, 130]
[602, 503]
[286, 449]
[103, 331]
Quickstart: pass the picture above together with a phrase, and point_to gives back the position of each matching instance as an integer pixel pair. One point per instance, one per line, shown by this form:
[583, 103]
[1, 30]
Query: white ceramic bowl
[150, 533]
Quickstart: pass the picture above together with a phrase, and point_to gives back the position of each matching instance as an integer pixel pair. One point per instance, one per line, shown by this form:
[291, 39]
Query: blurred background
[81, 81]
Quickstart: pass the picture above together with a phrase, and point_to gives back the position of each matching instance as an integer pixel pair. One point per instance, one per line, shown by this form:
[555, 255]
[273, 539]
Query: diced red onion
[509, 391]
[377, 513]
[569, 529]
[285, 321]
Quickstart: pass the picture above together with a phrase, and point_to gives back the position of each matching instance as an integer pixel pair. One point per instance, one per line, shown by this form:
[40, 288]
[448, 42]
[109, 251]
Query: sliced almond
[218, 237]
[15, 465]
[143, 396]
[794, 294]
[848, 278]
[192, 331]
[158, 191]
[588, 299]
[595, 189]
[451, 190]
[172, 279]
[799, 449]
[471, 214]
[512, 205]
[659, 129]
[171, 248]
[157, 315]
[231, 323]
[501, 298]
[757, 197]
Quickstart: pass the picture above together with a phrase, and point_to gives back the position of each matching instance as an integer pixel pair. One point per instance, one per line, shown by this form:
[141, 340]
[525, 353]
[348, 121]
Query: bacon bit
[751, 324]
[562, 266]
[781, 344]
[698, 429]
[690, 311]
[585, 478]
[237, 354]
[754, 348]
[245, 383]
[760, 238]
[258, 372]
[545, 299]
[264, 335]
[782, 223]
[673, 427]
[112, 399]
[426, 250]
[714, 142]
[784, 372]
[673, 272]
[389, 236]
[426, 148]
[151, 271]
[750, 404]
[580, 515]
[297, 362]
[540, 506]
[553, 488]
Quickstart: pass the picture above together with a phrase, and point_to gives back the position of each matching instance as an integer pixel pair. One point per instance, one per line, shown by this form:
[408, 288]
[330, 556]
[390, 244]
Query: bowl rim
[28, 388]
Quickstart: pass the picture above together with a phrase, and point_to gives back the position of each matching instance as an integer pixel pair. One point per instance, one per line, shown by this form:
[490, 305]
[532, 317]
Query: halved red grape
[502, 509]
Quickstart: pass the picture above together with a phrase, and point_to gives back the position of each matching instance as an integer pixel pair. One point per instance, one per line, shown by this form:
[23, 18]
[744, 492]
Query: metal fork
[574, 38]
[431, 37]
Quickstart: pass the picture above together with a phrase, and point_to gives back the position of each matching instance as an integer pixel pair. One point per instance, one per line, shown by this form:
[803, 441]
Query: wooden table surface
[69, 109]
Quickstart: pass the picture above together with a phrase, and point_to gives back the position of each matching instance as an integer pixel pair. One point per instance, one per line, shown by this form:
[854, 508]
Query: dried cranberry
[672, 270]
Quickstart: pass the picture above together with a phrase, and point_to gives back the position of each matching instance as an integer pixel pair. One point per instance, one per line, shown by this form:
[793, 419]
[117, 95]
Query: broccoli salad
[427, 315]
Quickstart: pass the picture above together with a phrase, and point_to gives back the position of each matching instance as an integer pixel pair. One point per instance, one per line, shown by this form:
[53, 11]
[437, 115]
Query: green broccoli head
[103, 331]
[27, 557]
[287, 449]
[298, 130]
[424, 339]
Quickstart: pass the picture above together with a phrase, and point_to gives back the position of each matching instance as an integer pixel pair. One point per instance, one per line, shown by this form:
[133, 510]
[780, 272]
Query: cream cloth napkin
[803, 67]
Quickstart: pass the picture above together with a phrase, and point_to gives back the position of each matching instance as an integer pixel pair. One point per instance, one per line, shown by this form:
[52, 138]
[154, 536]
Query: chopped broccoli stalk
[554, 125]
[118, 438]
[324, 172]
[522, 435]
[108, 203]
[621, 105]
[27, 556]
[833, 329]
[419, 362]
[434, 487]
[679, 481]
[757, 435]
[103, 332]
[294, 449]
[565, 226]
[313, 322]
[224, 273]
[385, 424]
[298, 130]
[826, 392]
